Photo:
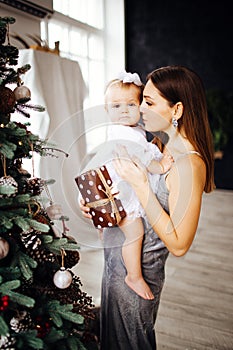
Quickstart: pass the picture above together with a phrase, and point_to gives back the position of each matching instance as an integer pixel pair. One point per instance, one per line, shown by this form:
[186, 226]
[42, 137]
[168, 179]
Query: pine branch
[31, 340]
[7, 149]
[55, 245]
[37, 108]
[54, 335]
[21, 299]
[4, 330]
[6, 288]
[38, 226]
[58, 312]
[74, 343]
[11, 77]
[24, 69]
[7, 190]
[25, 264]
[9, 273]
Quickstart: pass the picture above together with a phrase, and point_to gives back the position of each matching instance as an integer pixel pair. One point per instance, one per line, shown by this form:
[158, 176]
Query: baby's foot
[140, 287]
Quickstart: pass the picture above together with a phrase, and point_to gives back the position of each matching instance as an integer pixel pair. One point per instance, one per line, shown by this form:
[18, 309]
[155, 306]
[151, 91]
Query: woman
[173, 102]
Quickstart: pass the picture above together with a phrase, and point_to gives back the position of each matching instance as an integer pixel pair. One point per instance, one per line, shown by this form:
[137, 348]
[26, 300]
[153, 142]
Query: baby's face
[122, 104]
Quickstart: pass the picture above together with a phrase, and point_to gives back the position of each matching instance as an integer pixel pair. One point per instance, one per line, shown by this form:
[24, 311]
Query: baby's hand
[166, 163]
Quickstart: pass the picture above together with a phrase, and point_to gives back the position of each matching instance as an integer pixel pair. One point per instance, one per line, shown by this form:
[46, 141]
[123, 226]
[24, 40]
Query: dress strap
[189, 152]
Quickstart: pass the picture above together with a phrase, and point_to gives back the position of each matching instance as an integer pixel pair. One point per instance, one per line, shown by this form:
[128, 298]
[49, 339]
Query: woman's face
[156, 112]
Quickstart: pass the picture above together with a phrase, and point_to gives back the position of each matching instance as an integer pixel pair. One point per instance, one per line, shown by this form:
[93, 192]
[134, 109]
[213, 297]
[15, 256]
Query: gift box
[96, 189]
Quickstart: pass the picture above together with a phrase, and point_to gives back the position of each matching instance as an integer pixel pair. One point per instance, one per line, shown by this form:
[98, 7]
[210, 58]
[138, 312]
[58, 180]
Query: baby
[123, 97]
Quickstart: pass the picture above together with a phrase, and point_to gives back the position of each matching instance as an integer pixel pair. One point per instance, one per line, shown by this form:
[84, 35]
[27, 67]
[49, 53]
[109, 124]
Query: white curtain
[57, 84]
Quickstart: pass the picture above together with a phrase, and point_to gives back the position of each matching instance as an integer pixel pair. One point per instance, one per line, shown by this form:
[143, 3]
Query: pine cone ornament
[71, 259]
[42, 255]
[7, 342]
[8, 55]
[8, 181]
[82, 303]
[22, 322]
[35, 186]
[32, 242]
[31, 239]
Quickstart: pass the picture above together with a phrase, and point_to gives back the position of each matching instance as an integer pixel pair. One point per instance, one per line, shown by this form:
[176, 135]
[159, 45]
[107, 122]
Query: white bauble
[62, 278]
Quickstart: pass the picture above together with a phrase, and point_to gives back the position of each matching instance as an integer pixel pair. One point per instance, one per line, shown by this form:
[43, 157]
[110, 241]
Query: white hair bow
[126, 77]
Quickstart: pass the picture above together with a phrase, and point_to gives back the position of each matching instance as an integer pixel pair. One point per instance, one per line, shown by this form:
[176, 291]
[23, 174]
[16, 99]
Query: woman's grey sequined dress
[127, 320]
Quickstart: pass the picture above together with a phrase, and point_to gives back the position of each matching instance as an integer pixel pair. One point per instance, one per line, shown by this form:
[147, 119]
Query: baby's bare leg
[131, 252]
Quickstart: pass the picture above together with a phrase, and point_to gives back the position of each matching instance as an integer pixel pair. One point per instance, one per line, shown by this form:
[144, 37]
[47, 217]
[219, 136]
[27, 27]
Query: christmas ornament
[35, 186]
[41, 216]
[32, 242]
[4, 302]
[72, 256]
[42, 326]
[42, 255]
[2, 35]
[9, 181]
[4, 248]
[62, 278]
[7, 342]
[7, 100]
[22, 322]
[30, 239]
[54, 211]
[22, 94]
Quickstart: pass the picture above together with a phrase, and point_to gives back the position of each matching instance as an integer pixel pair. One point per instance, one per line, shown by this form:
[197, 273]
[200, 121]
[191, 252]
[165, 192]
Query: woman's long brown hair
[180, 84]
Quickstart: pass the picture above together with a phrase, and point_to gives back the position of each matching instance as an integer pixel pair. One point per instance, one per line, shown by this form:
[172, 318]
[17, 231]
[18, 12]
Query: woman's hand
[84, 209]
[129, 169]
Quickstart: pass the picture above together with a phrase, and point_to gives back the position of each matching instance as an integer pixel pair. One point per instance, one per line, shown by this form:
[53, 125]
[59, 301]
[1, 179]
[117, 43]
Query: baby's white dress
[134, 139]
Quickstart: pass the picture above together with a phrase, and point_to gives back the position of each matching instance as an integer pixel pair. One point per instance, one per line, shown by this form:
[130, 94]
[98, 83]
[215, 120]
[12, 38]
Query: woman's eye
[148, 103]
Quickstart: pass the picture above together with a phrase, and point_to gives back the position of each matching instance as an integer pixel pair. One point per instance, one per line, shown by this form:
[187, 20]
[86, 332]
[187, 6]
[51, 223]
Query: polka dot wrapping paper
[96, 189]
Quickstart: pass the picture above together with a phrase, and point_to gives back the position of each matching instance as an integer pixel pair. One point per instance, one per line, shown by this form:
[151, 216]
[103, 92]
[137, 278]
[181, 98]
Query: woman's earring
[174, 122]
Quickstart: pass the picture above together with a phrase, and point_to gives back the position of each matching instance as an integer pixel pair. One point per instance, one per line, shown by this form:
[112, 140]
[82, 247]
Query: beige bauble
[22, 94]
[4, 248]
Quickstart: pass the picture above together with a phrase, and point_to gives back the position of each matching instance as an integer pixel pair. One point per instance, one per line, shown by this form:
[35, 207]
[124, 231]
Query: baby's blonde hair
[119, 83]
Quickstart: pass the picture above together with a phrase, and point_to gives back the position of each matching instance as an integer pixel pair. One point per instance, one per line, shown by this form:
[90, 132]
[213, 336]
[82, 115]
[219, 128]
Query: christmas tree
[42, 305]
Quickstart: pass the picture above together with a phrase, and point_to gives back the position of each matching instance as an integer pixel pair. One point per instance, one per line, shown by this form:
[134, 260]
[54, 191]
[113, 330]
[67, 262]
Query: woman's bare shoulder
[189, 168]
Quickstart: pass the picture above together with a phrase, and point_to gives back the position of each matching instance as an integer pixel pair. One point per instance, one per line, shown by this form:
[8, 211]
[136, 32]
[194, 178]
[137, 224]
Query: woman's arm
[185, 182]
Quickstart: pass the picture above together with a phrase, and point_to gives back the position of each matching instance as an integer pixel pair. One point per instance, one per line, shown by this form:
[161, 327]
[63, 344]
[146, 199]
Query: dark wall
[197, 34]
[192, 33]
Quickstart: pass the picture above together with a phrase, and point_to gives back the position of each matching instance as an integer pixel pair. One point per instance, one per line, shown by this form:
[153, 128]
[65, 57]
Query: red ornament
[42, 326]
[4, 302]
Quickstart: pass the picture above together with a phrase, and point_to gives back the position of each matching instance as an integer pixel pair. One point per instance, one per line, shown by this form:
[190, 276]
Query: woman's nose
[142, 107]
